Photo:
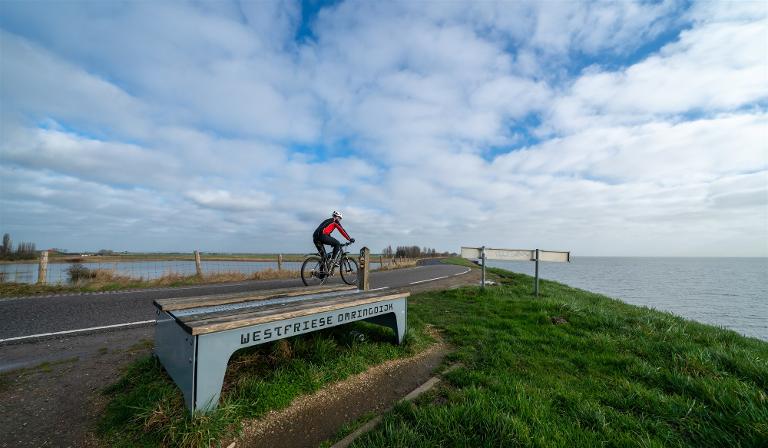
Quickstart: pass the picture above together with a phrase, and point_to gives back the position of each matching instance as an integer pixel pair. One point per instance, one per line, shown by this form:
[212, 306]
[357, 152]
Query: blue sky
[611, 128]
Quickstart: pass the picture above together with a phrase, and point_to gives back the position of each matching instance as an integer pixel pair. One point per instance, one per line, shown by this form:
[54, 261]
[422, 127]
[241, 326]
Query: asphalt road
[28, 318]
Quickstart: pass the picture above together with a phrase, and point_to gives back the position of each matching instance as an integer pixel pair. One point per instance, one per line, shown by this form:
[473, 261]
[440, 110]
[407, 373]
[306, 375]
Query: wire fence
[74, 269]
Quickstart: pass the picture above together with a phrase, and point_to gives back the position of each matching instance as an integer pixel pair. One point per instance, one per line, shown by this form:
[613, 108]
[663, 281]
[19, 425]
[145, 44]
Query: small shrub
[78, 273]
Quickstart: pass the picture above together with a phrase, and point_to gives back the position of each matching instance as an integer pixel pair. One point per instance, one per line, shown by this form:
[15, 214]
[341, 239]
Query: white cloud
[719, 65]
[225, 200]
[33, 81]
[190, 66]
[667, 153]
[401, 112]
[106, 162]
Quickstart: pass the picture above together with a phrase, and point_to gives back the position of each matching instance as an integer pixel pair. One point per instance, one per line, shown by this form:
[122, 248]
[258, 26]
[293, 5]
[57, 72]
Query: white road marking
[58, 333]
[428, 280]
[128, 291]
[439, 278]
[180, 288]
[130, 324]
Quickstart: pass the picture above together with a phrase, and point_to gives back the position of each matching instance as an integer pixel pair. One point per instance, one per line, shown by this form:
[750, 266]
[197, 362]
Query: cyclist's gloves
[351, 240]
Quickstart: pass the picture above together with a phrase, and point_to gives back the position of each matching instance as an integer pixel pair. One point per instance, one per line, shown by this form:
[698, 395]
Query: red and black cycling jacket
[328, 226]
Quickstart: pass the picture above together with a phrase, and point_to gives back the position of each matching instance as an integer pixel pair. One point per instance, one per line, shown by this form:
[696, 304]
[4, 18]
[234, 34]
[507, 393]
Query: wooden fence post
[198, 264]
[280, 262]
[381, 262]
[362, 275]
[42, 271]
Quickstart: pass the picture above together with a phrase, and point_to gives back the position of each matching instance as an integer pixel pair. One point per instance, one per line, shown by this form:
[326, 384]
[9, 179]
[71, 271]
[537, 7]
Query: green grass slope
[573, 368]
[570, 368]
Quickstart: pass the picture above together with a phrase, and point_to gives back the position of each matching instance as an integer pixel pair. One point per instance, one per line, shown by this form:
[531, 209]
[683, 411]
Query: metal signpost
[483, 253]
[482, 257]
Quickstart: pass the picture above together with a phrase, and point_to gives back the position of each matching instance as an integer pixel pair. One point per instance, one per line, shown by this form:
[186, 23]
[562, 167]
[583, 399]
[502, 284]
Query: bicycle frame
[333, 261]
[321, 266]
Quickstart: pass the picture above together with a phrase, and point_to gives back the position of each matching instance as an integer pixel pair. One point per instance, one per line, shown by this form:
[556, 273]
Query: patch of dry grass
[274, 274]
[101, 277]
[111, 280]
[174, 279]
[397, 263]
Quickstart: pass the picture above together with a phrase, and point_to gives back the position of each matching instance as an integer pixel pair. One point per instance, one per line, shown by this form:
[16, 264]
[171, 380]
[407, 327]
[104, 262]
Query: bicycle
[317, 269]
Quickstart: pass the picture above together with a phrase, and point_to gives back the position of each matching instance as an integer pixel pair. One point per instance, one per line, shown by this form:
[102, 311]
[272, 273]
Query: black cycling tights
[329, 240]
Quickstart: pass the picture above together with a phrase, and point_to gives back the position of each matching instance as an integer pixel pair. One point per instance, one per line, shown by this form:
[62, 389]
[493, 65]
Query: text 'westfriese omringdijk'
[312, 324]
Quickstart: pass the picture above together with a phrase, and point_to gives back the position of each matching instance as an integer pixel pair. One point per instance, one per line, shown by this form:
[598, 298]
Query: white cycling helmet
[337, 214]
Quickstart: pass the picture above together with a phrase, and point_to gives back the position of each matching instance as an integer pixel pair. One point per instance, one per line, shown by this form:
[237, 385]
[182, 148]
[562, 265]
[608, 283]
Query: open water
[728, 292]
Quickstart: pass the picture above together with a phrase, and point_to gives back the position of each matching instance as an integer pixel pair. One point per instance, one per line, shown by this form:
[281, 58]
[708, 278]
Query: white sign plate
[473, 253]
[510, 254]
[551, 255]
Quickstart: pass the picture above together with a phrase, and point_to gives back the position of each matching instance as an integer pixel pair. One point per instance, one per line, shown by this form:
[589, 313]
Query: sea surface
[727, 292]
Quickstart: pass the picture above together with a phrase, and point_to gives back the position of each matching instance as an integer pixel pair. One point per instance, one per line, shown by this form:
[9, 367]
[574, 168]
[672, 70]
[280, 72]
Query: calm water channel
[148, 270]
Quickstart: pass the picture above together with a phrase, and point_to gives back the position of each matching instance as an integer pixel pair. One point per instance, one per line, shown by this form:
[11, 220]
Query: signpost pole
[482, 257]
[536, 284]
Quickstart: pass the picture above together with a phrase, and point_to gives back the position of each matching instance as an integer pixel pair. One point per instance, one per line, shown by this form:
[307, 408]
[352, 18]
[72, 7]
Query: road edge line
[79, 330]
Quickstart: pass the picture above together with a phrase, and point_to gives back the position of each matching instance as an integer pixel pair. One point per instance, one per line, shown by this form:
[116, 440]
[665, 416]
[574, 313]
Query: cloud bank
[607, 128]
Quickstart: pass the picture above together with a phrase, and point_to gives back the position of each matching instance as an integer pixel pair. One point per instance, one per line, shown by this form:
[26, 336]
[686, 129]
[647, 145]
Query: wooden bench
[196, 336]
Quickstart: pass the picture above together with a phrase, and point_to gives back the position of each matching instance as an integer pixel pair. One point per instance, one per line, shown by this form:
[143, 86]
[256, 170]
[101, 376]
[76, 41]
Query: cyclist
[322, 234]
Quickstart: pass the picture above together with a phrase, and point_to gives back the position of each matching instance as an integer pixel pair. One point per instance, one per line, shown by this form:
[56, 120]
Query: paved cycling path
[62, 315]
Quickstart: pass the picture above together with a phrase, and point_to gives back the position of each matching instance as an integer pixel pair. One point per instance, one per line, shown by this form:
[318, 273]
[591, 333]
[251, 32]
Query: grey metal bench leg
[402, 323]
[196, 363]
[213, 353]
[176, 350]
[397, 321]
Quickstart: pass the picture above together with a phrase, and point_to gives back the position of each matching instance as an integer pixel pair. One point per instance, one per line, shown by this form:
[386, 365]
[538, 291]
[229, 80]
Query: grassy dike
[574, 368]
[570, 368]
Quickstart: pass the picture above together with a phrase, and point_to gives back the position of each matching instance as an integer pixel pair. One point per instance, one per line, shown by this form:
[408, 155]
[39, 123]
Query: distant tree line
[412, 252]
[24, 250]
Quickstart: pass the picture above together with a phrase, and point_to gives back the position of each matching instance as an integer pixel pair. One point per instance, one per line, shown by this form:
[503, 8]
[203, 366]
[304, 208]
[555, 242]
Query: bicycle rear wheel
[348, 268]
[311, 273]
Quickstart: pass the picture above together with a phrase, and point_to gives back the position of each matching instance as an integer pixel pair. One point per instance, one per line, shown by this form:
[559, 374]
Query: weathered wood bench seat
[196, 336]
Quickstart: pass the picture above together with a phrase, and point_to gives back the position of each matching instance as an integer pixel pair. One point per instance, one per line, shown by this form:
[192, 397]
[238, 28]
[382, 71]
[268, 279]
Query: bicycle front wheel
[348, 268]
[311, 272]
